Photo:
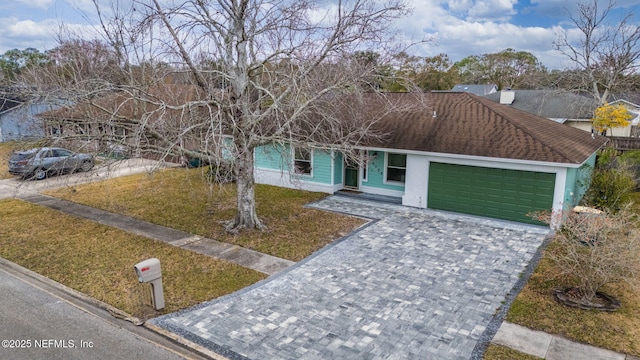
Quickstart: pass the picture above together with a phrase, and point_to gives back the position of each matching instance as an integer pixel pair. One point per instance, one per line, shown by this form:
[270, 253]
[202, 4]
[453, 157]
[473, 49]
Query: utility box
[149, 271]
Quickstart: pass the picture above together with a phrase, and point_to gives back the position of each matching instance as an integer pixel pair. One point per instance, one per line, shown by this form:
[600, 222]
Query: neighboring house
[480, 90]
[566, 108]
[21, 123]
[558, 105]
[124, 124]
[633, 130]
[460, 153]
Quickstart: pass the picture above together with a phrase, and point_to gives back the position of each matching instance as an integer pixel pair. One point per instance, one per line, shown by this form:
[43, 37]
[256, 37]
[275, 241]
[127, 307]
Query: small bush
[612, 181]
[632, 160]
[610, 189]
[631, 157]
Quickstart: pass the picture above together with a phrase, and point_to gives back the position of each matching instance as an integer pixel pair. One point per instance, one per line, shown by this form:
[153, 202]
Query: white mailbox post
[149, 271]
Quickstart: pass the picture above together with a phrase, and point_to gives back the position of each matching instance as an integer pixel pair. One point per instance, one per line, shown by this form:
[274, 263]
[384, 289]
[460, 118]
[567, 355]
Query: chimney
[507, 96]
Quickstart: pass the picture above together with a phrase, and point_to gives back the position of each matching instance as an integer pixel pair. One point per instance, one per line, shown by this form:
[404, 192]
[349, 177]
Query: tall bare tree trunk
[246, 216]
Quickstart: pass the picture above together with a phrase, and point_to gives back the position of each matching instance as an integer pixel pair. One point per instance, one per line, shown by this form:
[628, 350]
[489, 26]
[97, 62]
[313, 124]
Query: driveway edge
[501, 314]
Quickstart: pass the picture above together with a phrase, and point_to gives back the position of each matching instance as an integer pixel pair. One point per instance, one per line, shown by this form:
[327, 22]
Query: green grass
[182, 199]
[497, 352]
[98, 260]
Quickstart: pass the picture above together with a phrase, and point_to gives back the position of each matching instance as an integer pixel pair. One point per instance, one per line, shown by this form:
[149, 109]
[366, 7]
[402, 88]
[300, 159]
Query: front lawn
[535, 308]
[182, 199]
[98, 260]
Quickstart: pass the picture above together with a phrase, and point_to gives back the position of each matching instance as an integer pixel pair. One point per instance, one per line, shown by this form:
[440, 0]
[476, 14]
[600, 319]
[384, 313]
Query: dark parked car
[40, 162]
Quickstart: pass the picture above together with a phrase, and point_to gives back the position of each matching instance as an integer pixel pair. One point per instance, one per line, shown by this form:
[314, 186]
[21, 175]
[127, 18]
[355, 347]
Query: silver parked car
[38, 163]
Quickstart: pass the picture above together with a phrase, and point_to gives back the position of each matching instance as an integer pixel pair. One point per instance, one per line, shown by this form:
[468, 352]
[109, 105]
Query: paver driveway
[415, 284]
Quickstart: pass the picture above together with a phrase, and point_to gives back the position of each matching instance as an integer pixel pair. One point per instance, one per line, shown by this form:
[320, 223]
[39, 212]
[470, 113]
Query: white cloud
[21, 34]
[459, 6]
[492, 10]
[12, 27]
[458, 36]
[38, 4]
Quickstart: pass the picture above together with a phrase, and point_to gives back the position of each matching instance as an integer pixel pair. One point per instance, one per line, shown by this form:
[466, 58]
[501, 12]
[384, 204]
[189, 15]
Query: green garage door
[497, 193]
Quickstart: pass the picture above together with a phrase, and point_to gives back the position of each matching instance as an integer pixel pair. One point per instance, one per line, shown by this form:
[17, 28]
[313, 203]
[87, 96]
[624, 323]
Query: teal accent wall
[279, 157]
[275, 157]
[578, 182]
[321, 168]
[337, 168]
[375, 176]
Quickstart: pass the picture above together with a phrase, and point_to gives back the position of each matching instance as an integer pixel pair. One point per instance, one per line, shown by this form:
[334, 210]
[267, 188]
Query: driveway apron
[414, 283]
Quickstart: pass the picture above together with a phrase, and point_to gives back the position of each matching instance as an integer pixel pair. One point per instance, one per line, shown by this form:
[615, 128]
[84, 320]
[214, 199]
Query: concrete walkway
[549, 347]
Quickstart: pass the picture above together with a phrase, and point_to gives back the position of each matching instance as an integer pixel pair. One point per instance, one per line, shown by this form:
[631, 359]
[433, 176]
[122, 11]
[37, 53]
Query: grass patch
[635, 202]
[182, 199]
[535, 308]
[497, 352]
[98, 260]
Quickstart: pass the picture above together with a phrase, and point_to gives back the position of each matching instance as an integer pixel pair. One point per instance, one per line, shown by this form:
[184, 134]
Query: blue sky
[458, 28]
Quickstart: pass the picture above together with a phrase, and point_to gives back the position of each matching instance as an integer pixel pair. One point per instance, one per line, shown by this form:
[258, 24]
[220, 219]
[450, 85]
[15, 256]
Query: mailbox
[149, 271]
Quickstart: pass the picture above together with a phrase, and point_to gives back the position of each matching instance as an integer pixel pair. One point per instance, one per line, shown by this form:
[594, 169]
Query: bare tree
[258, 71]
[596, 249]
[607, 52]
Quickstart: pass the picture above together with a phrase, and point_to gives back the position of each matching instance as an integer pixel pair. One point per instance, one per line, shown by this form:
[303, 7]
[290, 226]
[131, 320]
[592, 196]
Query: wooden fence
[624, 143]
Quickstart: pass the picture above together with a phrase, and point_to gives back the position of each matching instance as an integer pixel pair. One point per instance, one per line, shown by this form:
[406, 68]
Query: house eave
[480, 158]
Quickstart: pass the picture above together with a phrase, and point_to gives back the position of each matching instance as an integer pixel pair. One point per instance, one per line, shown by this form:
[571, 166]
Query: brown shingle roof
[466, 124]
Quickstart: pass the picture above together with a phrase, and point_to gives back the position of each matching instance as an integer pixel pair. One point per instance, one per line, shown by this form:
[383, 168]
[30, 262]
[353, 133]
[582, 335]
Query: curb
[184, 342]
[115, 312]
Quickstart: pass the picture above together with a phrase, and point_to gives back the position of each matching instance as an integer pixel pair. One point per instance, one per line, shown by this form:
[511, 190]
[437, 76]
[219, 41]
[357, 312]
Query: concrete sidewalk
[264, 263]
[550, 347]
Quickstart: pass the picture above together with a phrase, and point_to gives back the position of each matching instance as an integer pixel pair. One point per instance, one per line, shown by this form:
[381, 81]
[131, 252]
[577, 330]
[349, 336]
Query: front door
[351, 174]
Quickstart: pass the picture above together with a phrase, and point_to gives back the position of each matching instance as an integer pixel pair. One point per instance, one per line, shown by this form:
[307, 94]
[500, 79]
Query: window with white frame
[396, 167]
[302, 161]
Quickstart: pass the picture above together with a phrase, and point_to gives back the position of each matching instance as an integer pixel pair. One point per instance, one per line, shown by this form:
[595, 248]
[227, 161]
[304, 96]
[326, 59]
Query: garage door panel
[499, 193]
